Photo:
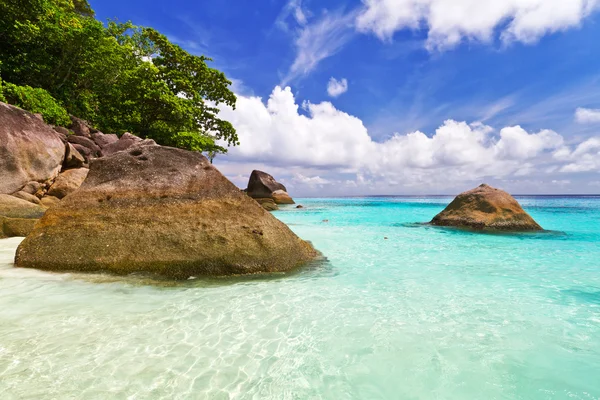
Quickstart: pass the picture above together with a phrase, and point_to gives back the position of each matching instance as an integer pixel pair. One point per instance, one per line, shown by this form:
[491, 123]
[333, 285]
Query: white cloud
[584, 158]
[450, 21]
[336, 88]
[587, 116]
[319, 40]
[308, 180]
[326, 139]
[294, 9]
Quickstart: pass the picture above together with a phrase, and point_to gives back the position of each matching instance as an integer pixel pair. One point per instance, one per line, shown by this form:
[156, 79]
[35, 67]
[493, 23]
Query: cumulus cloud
[584, 158]
[323, 138]
[336, 88]
[449, 22]
[587, 116]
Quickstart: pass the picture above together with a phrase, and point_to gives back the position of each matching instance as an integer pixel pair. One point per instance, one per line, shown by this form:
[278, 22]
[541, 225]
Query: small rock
[86, 142]
[80, 127]
[282, 197]
[49, 201]
[27, 197]
[103, 140]
[125, 142]
[17, 216]
[73, 158]
[32, 187]
[299, 206]
[67, 182]
[268, 204]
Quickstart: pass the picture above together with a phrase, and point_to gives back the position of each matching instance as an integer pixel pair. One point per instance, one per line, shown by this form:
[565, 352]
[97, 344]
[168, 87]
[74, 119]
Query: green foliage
[118, 76]
[2, 98]
[37, 100]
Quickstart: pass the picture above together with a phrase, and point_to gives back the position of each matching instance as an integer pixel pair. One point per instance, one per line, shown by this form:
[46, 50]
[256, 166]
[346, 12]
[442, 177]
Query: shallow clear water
[429, 313]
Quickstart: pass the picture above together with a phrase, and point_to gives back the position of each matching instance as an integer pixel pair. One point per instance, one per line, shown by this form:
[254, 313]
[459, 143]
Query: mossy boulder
[162, 211]
[486, 208]
[18, 216]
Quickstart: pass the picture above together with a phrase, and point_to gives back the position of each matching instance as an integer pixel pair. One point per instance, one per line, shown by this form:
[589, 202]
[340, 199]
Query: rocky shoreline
[89, 201]
[127, 205]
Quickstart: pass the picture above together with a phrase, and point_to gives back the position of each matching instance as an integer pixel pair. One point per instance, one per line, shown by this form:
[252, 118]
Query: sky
[397, 97]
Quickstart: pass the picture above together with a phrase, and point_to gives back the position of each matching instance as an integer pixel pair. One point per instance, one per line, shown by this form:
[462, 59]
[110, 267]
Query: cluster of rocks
[41, 164]
[263, 188]
[142, 208]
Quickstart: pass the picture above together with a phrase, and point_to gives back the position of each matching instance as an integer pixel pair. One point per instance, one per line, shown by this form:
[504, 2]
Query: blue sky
[430, 96]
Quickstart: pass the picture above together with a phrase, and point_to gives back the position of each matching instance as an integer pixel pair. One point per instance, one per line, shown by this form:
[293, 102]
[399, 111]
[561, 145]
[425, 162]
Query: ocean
[394, 310]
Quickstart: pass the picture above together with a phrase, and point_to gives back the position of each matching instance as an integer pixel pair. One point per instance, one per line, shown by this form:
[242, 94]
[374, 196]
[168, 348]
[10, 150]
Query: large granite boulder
[262, 185]
[67, 182]
[17, 216]
[30, 150]
[163, 211]
[486, 208]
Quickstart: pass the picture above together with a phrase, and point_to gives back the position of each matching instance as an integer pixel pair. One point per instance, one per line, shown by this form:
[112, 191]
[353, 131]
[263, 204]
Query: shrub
[1, 93]
[36, 100]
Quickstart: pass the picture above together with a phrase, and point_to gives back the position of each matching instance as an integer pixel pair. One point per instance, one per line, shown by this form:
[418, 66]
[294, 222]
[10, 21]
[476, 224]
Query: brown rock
[49, 201]
[32, 187]
[103, 140]
[267, 203]
[85, 152]
[27, 197]
[125, 142]
[67, 182]
[30, 150]
[73, 158]
[80, 127]
[17, 216]
[86, 142]
[262, 185]
[281, 197]
[164, 211]
[486, 208]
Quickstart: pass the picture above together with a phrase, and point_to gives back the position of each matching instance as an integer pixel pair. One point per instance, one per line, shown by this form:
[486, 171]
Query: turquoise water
[428, 313]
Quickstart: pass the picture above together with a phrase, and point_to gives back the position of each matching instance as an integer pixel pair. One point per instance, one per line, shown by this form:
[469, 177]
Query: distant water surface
[428, 313]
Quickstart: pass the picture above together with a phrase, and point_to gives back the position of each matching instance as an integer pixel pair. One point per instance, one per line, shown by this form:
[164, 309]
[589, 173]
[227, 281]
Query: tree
[118, 76]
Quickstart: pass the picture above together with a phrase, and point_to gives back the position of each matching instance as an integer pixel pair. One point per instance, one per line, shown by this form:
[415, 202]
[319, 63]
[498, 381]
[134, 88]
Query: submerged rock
[30, 150]
[164, 211]
[486, 207]
[17, 216]
[262, 185]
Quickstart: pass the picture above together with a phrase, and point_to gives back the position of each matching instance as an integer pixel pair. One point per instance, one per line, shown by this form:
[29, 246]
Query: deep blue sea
[396, 310]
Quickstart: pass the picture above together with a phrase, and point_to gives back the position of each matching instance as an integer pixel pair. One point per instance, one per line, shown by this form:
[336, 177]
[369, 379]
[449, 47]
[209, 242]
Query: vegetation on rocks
[55, 56]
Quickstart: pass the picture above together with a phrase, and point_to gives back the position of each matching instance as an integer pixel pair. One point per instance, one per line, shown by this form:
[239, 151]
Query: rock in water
[262, 185]
[30, 150]
[486, 207]
[164, 211]
[281, 197]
